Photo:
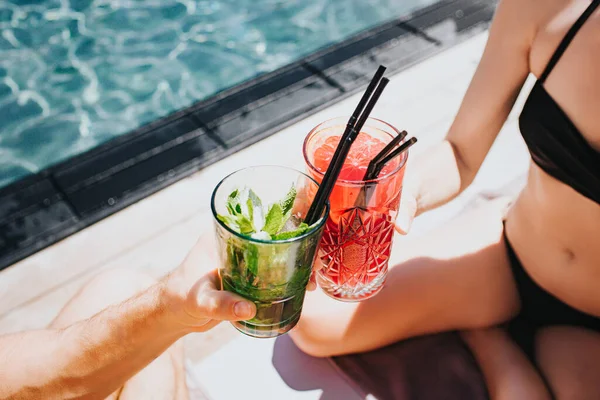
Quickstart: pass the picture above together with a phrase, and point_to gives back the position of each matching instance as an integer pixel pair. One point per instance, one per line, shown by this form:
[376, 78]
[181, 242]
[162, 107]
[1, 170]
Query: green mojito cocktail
[266, 250]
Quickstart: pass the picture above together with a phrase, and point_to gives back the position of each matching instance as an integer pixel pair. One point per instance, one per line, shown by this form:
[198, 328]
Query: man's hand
[196, 298]
[94, 357]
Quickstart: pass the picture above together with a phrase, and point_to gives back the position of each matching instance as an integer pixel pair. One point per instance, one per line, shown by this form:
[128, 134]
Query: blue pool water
[75, 73]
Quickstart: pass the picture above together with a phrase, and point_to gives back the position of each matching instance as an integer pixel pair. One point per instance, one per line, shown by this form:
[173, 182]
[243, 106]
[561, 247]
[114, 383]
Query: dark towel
[437, 367]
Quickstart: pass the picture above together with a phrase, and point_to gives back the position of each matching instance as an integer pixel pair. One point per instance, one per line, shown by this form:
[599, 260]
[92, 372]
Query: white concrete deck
[155, 234]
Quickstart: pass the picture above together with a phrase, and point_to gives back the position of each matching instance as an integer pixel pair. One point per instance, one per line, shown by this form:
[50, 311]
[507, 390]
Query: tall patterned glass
[357, 240]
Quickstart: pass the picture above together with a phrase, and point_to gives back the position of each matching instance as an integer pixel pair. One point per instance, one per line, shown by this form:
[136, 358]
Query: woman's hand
[312, 283]
[196, 299]
[407, 211]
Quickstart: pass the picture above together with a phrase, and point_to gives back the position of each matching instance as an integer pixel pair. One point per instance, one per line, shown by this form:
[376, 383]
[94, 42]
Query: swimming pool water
[75, 73]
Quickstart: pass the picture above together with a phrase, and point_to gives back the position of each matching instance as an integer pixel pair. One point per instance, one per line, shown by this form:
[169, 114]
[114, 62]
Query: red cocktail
[357, 241]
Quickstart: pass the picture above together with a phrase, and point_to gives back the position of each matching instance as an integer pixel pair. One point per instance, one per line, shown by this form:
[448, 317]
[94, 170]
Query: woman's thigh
[569, 359]
[507, 371]
[457, 277]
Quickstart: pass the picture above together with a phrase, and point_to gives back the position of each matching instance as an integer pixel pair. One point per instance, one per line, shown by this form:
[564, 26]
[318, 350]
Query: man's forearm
[91, 358]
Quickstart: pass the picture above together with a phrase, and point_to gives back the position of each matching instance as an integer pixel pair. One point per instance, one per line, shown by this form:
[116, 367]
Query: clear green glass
[271, 273]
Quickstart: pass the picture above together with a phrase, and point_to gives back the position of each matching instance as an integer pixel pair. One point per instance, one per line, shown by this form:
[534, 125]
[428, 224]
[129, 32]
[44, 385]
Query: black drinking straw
[375, 167]
[386, 150]
[363, 101]
[335, 166]
[403, 147]
[359, 109]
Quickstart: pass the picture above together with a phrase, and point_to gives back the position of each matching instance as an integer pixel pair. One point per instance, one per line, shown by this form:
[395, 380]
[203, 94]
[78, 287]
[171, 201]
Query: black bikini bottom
[540, 309]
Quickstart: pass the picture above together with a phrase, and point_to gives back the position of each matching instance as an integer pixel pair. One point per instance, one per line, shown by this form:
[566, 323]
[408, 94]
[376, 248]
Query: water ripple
[75, 73]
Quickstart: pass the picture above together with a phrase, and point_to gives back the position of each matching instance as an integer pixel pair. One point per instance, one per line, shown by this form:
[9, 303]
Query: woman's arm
[92, 358]
[444, 171]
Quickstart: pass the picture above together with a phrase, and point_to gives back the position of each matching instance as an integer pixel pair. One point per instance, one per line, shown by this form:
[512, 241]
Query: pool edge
[45, 208]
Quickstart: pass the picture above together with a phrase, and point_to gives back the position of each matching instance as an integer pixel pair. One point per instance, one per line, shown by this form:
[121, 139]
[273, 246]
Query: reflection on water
[74, 73]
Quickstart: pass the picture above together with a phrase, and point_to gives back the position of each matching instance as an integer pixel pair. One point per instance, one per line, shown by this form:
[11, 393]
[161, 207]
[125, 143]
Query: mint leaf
[234, 257]
[274, 220]
[238, 223]
[288, 202]
[230, 221]
[250, 210]
[279, 213]
[246, 210]
[233, 203]
[247, 214]
[230, 208]
[299, 281]
[241, 209]
[245, 224]
[251, 258]
[301, 230]
[255, 210]
[253, 197]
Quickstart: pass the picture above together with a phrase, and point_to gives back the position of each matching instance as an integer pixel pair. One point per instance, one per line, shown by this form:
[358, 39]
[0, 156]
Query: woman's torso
[554, 230]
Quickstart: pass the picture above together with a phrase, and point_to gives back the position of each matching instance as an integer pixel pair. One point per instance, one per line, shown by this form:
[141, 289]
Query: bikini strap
[568, 38]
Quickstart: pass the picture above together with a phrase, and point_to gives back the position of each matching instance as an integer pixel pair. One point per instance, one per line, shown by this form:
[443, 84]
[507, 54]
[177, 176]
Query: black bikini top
[554, 142]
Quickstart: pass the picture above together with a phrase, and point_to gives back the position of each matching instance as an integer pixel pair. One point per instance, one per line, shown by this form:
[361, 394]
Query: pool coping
[42, 209]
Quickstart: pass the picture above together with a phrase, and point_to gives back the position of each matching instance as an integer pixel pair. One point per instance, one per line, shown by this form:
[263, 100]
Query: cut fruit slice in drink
[364, 149]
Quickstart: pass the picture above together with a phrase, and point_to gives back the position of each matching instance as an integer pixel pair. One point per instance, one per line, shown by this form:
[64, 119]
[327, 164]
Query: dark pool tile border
[42, 209]
[31, 217]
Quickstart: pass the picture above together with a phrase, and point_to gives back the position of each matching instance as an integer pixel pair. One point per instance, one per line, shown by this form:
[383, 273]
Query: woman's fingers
[406, 214]
[312, 283]
[318, 265]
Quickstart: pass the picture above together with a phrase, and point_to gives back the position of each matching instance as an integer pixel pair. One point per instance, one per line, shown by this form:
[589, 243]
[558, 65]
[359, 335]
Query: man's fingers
[208, 305]
[224, 306]
[211, 281]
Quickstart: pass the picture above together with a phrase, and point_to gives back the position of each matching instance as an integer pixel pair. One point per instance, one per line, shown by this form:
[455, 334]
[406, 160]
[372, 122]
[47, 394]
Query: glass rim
[314, 131]
[310, 232]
